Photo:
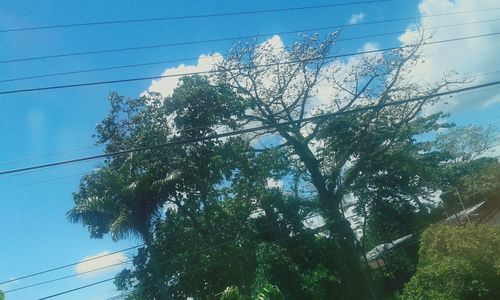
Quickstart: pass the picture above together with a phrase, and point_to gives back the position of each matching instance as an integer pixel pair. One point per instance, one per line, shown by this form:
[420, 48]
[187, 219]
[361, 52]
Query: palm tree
[109, 201]
[122, 204]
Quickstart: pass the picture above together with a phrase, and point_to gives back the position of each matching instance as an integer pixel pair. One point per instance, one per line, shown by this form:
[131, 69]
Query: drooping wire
[219, 40]
[211, 15]
[85, 84]
[165, 45]
[183, 256]
[250, 130]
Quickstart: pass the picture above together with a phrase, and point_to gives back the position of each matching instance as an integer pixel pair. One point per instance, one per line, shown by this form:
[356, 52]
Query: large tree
[286, 84]
[211, 197]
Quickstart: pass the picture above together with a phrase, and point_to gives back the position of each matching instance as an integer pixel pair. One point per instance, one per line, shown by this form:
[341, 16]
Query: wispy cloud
[9, 285]
[356, 18]
[87, 265]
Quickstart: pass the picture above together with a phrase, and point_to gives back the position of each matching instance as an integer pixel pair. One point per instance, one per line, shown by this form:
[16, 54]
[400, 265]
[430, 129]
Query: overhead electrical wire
[75, 175]
[221, 135]
[142, 287]
[68, 276]
[128, 261]
[47, 155]
[83, 84]
[162, 135]
[250, 130]
[130, 248]
[55, 179]
[82, 261]
[233, 39]
[77, 289]
[165, 45]
[186, 256]
[197, 252]
[200, 16]
[69, 265]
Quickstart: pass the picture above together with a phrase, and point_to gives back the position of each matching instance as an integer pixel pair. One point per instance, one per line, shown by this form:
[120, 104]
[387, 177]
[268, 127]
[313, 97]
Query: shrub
[457, 263]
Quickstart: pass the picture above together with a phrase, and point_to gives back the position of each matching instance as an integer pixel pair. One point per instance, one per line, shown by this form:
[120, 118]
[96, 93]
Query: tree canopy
[457, 263]
[266, 210]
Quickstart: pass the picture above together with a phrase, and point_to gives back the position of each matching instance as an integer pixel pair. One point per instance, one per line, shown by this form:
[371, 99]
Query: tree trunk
[339, 228]
[156, 271]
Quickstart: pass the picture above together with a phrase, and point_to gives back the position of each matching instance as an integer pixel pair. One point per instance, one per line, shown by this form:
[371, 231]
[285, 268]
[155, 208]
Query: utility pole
[444, 207]
[462, 203]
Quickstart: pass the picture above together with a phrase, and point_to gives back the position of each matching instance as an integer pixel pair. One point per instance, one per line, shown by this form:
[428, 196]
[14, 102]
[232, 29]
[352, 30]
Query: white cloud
[273, 183]
[274, 42]
[166, 86]
[472, 57]
[87, 265]
[9, 285]
[356, 18]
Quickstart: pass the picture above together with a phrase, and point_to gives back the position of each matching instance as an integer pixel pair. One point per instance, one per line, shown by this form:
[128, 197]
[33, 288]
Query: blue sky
[34, 232]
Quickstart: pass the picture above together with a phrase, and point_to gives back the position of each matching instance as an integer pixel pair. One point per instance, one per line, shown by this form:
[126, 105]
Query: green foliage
[319, 283]
[207, 216]
[480, 182]
[269, 292]
[457, 263]
[274, 266]
[231, 293]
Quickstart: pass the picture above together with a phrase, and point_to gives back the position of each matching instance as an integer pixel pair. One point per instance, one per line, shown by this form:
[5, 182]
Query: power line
[69, 265]
[47, 155]
[161, 157]
[66, 277]
[128, 261]
[44, 181]
[249, 130]
[186, 256]
[145, 160]
[77, 289]
[225, 260]
[142, 287]
[211, 15]
[235, 69]
[161, 263]
[162, 135]
[53, 269]
[217, 40]
[82, 261]
[418, 231]
[165, 45]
